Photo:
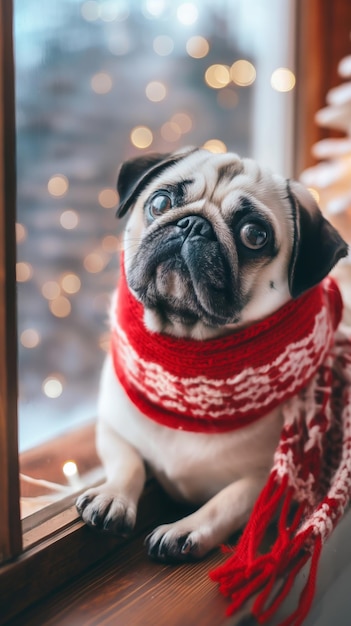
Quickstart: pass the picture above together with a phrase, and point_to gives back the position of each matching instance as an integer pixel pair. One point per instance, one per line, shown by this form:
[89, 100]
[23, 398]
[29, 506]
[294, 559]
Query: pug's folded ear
[317, 244]
[136, 173]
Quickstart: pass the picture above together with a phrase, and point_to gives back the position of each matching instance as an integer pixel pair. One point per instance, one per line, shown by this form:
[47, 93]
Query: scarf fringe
[306, 513]
[247, 572]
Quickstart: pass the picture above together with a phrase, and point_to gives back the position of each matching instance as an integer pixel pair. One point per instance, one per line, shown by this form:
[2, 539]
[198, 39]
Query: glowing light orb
[183, 121]
[70, 283]
[242, 73]
[58, 185]
[170, 131]
[52, 387]
[163, 45]
[197, 47]
[94, 263]
[21, 232]
[314, 193]
[51, 290]
[69, 219]
[155, 91]
[215, 145]
[110, 244]
[70, 469]
[101, 83]
[141, 137]
[60, 307]
[283, 79]
[24, 272]
[217, 76]
[154, 8]
[90, 10]
[30, 338]
[187, 13]
[108, 198]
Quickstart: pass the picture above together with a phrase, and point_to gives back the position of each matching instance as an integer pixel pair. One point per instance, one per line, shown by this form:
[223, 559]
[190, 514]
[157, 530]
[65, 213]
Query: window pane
[99, 82]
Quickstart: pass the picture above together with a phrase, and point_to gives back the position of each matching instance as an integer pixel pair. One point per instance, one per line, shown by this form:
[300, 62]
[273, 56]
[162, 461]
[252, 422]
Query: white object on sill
[70, 470]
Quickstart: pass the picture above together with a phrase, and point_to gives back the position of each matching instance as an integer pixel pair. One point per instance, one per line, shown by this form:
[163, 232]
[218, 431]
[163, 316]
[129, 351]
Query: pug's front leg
[195, 535]
[112, 506]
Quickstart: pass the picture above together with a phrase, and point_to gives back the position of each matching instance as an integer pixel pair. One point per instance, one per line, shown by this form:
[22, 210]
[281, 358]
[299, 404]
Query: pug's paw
[106, 511]
[174, 543]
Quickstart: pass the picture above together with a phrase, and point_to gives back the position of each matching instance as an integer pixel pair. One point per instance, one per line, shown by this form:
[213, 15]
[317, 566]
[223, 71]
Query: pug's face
[215, 242]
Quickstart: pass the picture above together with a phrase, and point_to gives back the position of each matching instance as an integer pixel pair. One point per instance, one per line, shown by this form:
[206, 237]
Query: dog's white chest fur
[190, 466]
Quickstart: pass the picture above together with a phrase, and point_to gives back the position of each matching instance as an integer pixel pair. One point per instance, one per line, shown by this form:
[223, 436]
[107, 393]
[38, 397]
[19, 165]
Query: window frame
[10, 527]
[66, 547]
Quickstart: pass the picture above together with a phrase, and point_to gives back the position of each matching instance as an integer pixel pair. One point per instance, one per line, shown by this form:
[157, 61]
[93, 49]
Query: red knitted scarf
[295, 358]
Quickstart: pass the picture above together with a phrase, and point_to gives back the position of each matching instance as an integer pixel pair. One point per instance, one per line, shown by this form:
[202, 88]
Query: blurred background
[98, 82]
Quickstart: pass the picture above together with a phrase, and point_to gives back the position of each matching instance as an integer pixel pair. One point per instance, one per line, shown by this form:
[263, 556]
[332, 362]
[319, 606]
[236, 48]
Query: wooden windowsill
[66, 552]
[128, 589]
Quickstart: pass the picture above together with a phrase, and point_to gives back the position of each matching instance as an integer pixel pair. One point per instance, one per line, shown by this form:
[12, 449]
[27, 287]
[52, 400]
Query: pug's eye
[159, 204]
[253, 236]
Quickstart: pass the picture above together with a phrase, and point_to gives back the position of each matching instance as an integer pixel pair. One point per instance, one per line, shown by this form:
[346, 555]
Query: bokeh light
[60, 307]
[111, 244]
[141, 137]
[29, 338]
[163, 45]
[314, 193]
[24, 272]
[215, 145]
[70, 469]
[183, 121]
[155, 91]
[217, 76]
[108, 198]
[51, 290]
[70, 283]
[90, 10]
[52, 387]
[197, 47]
[153, 8]
[21, 232]
[170, 131]
[58, 185]
[69, 219]
[283, 79]
[187, 13]
[101, 83]
[94, 262]
[242, 73]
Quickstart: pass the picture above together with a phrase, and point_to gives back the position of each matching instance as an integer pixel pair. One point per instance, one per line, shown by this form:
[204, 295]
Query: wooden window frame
[63, 547]
[10, 528]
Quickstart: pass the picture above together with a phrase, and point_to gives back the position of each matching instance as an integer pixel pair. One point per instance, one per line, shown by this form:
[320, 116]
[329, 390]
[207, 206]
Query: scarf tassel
[247, 572]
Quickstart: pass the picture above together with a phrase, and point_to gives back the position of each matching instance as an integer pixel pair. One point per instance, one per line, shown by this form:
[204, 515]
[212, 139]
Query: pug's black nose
[196, 226]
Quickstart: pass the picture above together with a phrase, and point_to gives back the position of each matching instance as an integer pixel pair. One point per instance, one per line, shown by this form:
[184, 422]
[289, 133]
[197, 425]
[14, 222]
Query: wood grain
[68, 553]
[10, 528]
[130, 590]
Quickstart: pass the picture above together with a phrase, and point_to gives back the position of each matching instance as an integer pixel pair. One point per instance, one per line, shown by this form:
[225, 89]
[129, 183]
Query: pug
[214, 243]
